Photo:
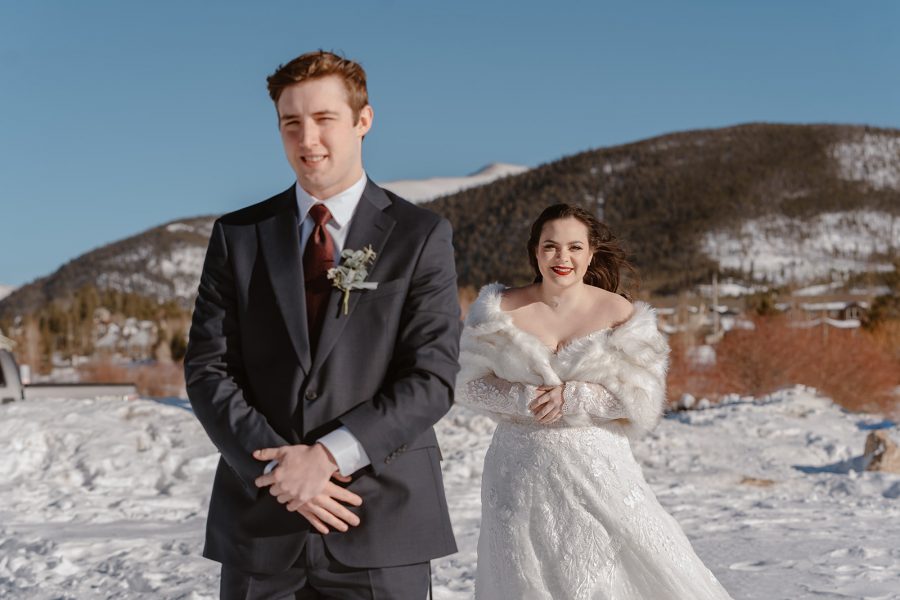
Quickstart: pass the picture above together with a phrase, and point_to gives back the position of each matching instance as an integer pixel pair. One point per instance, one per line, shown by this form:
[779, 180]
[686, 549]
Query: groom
[329, 484]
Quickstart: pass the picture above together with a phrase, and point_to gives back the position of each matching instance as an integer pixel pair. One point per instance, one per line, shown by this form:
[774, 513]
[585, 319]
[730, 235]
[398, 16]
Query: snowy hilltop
[105, 498]
[422, 190]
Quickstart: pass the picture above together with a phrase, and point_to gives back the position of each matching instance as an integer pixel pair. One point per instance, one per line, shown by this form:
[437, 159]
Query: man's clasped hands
[302, 480]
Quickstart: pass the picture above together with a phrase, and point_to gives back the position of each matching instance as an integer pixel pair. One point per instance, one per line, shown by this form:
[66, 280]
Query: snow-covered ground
[107, 499]
[422, 190]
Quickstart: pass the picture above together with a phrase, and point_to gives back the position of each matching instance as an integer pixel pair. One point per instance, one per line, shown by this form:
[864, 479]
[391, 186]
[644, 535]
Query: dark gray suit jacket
[385, 371]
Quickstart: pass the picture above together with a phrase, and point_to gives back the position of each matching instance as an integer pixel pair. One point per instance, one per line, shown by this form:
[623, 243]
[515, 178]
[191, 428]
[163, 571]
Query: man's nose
[309, 136]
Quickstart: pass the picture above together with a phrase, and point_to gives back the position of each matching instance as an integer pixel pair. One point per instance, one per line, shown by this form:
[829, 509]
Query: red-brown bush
[852, 366]
[159, 379]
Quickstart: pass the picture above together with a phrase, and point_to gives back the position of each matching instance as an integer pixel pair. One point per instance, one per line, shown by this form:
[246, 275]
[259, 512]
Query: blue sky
[118, 116]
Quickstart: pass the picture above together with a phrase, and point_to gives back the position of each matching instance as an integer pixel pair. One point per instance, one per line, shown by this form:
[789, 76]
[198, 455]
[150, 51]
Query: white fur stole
[629, 360]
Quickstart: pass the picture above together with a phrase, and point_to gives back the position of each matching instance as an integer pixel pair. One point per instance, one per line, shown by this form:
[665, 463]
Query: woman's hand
[547, 408]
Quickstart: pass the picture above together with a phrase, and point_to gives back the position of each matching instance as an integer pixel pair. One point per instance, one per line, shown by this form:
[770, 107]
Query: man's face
[321, 141]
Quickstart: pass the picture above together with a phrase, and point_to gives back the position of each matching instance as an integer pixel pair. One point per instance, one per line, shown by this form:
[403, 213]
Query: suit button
[311, 395]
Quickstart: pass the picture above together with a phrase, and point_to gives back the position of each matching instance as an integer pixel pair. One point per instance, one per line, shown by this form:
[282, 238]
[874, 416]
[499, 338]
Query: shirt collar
[341, 205]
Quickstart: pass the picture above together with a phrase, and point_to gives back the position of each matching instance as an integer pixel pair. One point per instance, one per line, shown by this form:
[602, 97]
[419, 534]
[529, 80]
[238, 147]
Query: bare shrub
[761, 360]
[852, 366]
[684, 375]
[159, 379]
[887, 336]
[104, 370]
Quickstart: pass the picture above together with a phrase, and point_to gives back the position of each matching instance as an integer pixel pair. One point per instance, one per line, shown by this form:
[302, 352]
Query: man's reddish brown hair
[315, 65]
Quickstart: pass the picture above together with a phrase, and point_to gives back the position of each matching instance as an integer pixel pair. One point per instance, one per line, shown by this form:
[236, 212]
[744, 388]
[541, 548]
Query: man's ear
[364, 123]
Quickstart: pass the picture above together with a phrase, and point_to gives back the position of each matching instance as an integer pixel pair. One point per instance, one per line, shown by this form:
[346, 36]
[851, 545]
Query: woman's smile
[560, 270]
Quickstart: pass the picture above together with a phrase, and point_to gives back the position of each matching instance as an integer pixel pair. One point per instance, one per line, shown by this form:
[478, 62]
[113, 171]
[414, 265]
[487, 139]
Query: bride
[571, 371]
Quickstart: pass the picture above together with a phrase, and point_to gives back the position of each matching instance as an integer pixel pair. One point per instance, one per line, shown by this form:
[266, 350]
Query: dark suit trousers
[317, 575]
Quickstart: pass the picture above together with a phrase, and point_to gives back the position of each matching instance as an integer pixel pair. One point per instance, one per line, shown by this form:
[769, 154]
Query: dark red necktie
[318, 257]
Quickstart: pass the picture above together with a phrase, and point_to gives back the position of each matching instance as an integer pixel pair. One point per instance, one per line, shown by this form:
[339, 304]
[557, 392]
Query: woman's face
[563, 252]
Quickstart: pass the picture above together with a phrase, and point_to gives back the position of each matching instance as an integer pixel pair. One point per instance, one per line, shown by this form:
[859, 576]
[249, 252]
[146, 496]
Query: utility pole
[715, 301]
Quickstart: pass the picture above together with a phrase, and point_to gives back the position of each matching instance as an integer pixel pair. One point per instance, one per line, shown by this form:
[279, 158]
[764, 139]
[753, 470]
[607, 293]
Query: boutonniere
[352, 272]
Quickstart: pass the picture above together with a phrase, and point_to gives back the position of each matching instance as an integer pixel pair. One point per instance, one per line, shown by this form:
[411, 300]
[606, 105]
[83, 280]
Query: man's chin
[314, 186]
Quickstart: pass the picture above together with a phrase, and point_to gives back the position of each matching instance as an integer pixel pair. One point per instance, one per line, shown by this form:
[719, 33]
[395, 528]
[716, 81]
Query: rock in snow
[882, 453]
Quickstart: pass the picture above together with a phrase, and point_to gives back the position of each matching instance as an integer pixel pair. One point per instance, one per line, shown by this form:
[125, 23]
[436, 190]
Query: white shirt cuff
[348, 453]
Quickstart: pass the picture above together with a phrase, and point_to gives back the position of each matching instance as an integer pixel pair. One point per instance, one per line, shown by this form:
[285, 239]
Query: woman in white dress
[571, 370]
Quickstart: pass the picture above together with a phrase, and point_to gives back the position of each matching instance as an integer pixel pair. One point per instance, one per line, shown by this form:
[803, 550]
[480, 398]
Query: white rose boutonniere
[352, 272]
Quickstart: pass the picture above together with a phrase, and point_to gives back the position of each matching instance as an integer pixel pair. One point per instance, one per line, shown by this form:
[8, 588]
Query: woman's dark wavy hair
[609, 259]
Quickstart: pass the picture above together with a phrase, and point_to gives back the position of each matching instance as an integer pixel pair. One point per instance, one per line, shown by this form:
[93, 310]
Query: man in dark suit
[329, 484]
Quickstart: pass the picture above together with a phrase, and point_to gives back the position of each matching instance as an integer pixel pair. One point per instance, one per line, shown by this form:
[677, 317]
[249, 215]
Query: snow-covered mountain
[781, 249]
[765, 204]
[761, 203]
[422, 190]
[162, 263]
[111, 500]
[6, 290]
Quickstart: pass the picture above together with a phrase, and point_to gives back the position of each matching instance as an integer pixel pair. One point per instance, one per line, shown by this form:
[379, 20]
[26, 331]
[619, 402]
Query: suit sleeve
[214, 370]
[423, 370]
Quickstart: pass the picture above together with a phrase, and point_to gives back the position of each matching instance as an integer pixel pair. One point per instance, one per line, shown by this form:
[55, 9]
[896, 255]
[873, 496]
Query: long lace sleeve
[500, 399]
[591, 400]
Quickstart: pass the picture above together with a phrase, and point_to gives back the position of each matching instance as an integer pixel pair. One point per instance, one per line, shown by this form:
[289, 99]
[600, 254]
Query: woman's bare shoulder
[516, 297]
[614, 307]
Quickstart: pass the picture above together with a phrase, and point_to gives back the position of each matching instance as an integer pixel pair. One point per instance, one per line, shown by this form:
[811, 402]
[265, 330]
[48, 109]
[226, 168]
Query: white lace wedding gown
[566, 512]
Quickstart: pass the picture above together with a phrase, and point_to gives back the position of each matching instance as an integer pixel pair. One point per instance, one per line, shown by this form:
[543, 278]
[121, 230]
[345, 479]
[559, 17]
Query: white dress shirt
[348, 453]
[342, 207]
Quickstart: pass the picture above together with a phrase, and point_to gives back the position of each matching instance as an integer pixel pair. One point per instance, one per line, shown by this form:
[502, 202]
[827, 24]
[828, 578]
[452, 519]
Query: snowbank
[104, 498]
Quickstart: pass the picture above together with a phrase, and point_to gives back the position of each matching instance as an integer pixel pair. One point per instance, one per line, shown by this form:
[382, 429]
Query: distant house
[840, 314]
[840, 310]
[713, 321]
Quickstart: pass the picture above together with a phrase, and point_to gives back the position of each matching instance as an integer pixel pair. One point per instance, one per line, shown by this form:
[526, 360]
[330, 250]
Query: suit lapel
[369, 226]
[279, 237]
